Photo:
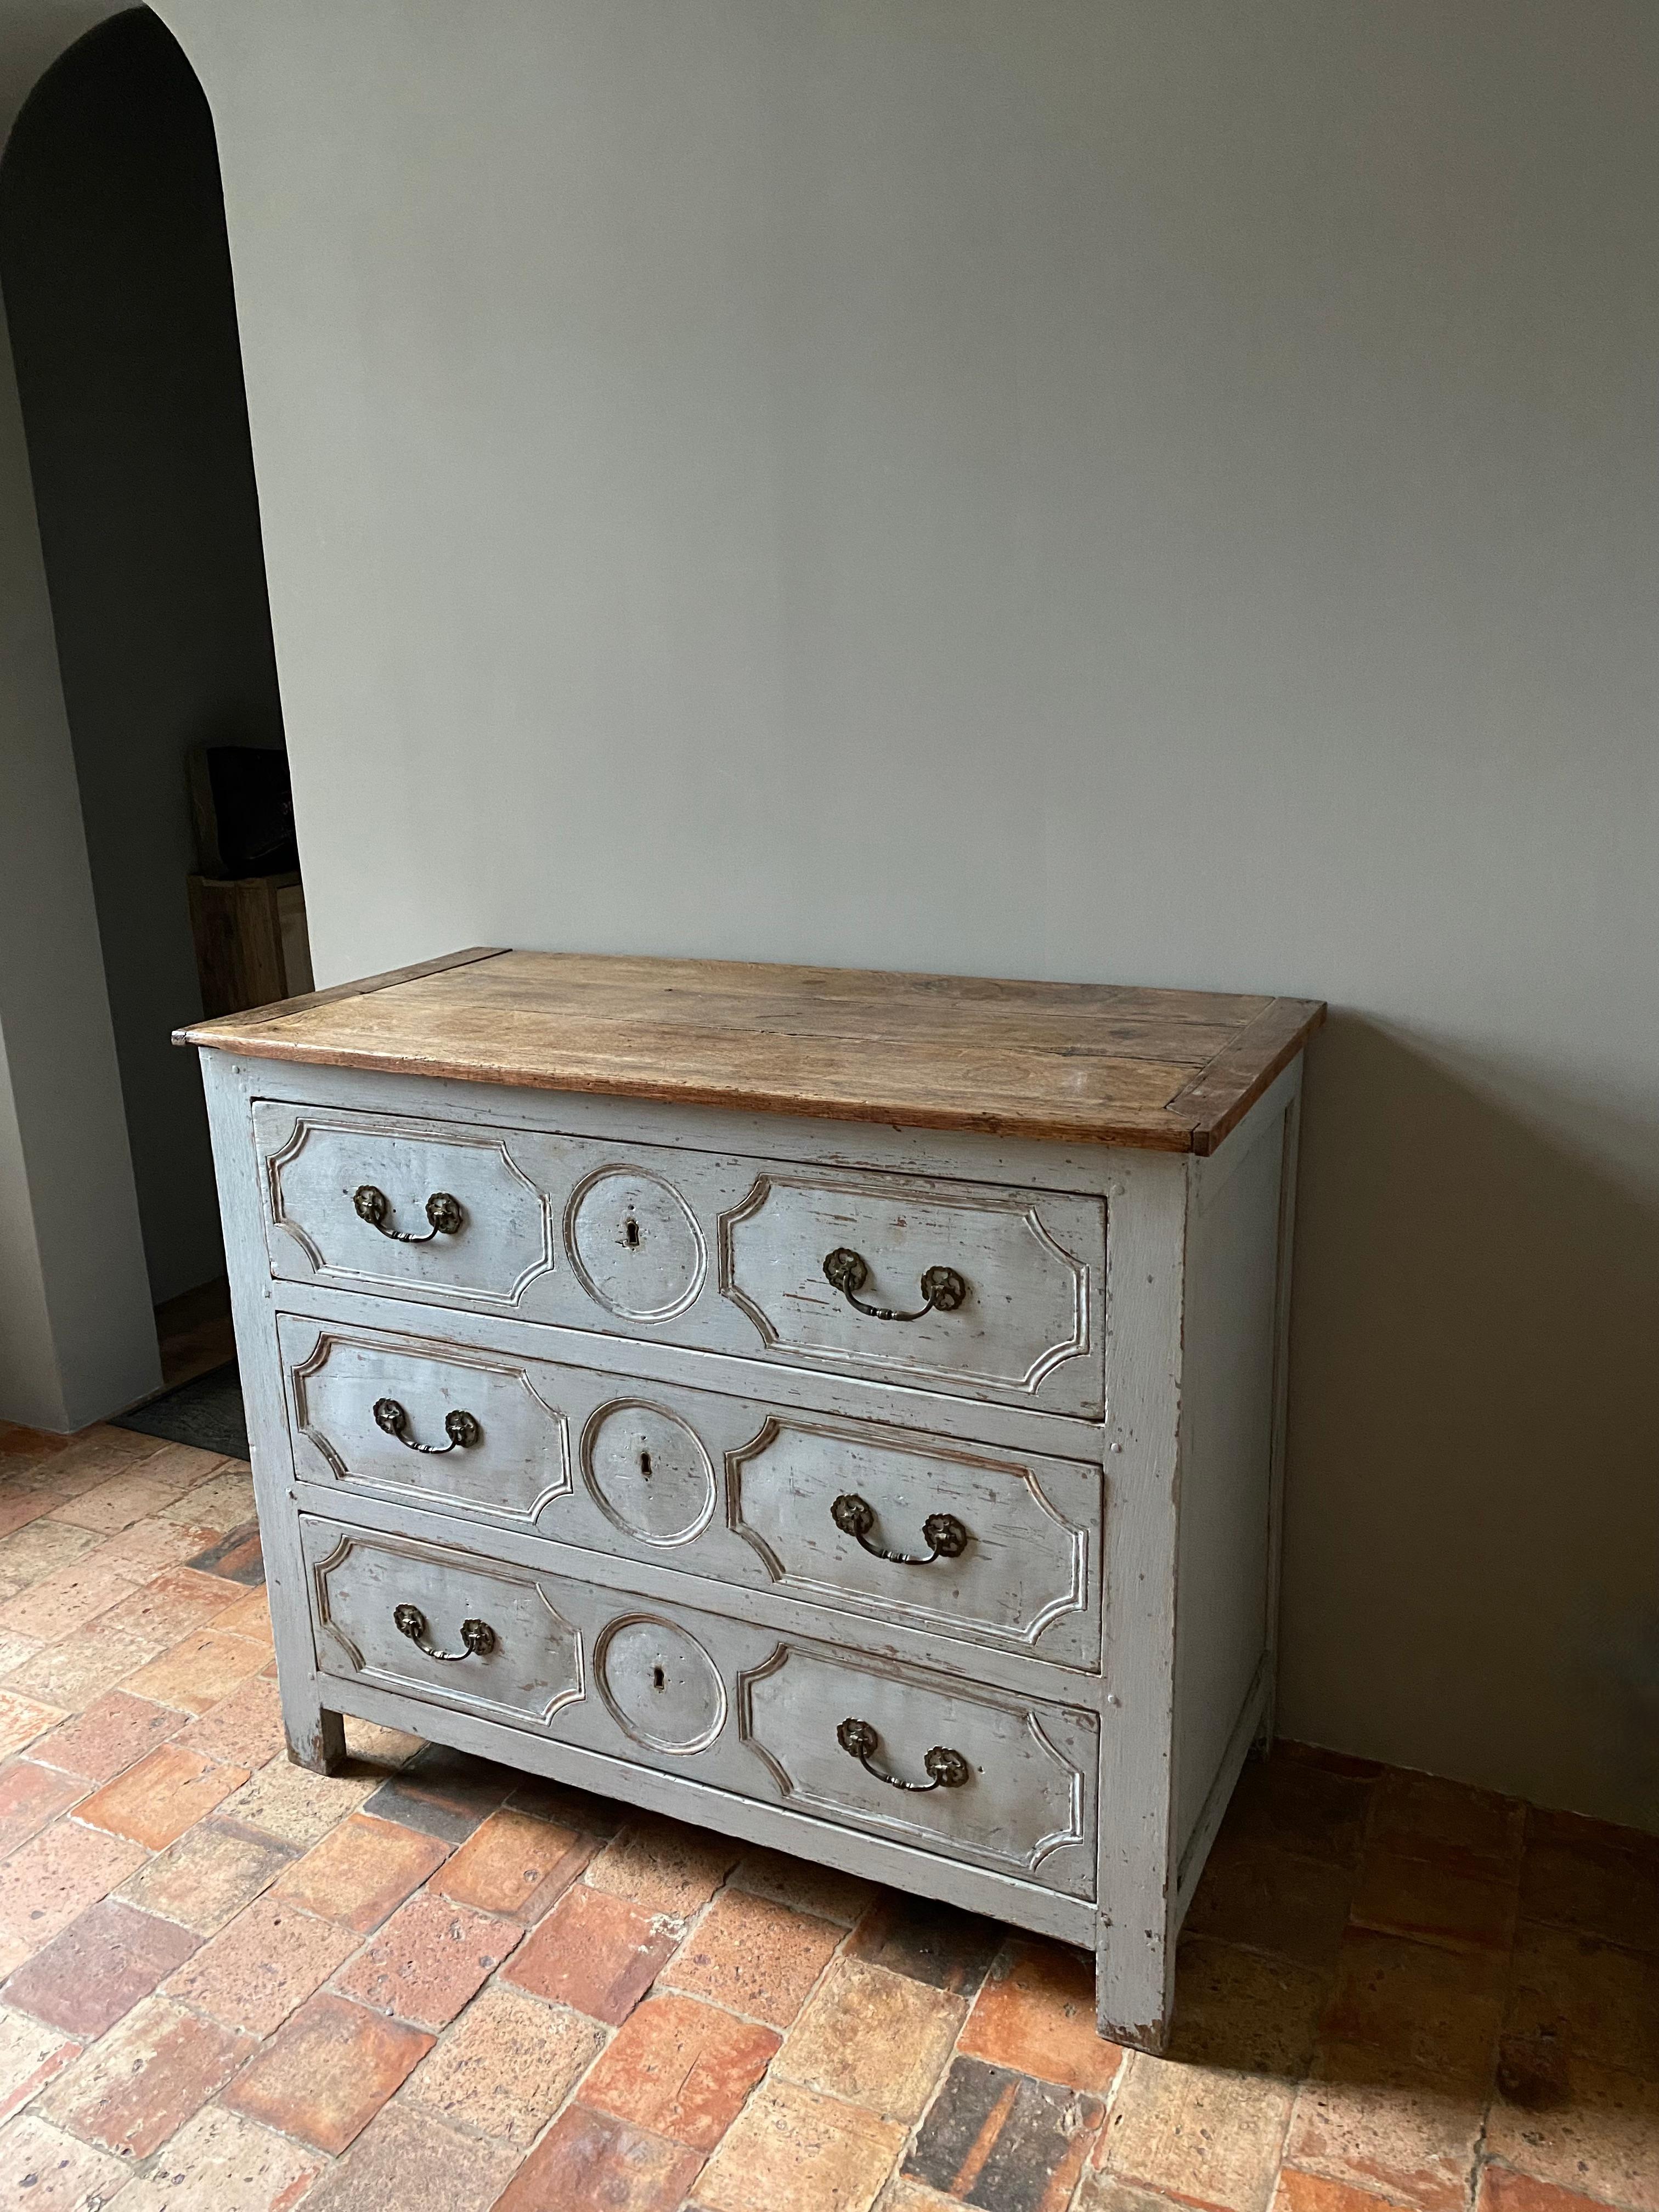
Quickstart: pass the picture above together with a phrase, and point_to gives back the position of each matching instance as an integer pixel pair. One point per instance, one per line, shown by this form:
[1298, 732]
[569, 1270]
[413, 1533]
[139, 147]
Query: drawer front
[1006, 1783]
[977, 1289]
[995, 1547]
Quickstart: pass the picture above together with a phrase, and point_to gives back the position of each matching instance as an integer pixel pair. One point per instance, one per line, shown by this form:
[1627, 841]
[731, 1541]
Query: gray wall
[76, 1338]
[1069, 489]
[117, 290]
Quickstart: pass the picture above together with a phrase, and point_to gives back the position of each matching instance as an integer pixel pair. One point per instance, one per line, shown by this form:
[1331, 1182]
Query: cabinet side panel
[1224, 1560]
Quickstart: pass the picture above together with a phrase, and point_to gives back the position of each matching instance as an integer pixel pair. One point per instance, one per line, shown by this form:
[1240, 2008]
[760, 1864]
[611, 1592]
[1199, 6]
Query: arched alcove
[117, 290]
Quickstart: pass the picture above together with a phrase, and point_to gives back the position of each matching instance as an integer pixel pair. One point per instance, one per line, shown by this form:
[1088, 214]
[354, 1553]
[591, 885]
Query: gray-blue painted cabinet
[843, 1410]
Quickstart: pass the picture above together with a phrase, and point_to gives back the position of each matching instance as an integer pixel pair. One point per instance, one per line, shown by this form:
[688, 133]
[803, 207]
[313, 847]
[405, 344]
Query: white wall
[1070, 489]
[76, 1336]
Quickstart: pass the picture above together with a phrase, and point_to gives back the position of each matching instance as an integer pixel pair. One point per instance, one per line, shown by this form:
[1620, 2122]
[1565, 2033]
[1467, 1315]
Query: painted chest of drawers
[841, 1410]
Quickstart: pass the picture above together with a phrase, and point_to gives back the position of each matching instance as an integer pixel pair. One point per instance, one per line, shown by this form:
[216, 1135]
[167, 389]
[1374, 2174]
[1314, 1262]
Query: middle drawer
[990, 1546]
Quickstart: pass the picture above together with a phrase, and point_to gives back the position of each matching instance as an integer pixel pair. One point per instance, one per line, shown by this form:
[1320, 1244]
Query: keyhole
[645, 1463]
[656, 1678]
[630, 1231]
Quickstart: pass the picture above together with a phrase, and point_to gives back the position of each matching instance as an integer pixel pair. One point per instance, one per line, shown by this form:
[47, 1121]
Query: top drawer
[976, 1289]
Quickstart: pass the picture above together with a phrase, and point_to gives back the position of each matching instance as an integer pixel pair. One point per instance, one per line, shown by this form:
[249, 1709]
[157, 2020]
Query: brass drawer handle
[479, 1636]
[460, 1428]
[946, 1769]
[442, 1212]
[848, 1271]
[855, 1516]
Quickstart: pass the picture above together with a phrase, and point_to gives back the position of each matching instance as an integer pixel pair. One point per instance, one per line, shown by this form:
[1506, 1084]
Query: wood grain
[1099, 1063]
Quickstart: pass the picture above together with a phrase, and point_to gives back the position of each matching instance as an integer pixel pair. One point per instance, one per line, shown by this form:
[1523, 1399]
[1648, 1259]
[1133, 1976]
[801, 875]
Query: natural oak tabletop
[1097, 1063]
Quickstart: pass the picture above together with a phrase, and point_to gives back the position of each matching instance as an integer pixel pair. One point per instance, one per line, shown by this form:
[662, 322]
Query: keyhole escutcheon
[656, 1678]
[630, 1232]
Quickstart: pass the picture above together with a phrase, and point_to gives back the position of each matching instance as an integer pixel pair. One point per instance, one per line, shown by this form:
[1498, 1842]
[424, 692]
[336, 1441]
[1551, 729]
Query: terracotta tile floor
[231, 1986]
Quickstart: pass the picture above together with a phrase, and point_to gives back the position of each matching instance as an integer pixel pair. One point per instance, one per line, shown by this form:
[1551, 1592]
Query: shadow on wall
[1494, 1515]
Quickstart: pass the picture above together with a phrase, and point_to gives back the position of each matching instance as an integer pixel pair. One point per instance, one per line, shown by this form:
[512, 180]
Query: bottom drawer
[936, 1761]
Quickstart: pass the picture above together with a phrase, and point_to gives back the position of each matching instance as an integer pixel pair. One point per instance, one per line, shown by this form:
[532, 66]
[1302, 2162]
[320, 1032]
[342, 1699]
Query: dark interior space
[117, 287]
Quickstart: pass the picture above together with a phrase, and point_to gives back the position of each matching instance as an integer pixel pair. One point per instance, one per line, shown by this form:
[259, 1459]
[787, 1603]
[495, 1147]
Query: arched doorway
[117, 282]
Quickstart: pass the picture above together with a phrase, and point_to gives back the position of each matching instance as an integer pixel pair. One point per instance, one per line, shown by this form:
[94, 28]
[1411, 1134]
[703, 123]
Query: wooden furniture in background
[845, 1410]
[251, 942]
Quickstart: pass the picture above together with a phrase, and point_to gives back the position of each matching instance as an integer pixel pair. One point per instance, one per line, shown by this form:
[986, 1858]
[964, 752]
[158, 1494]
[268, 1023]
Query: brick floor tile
[53, 1878]
[1435, 2009]
[1565, 2120]
[789, 2146]
[591, 2162]
[754, 1955]
[173, 1604]
[516, 1864]
[64, 1600]
[235, 1557]
[220, 2161]
[506, 2065]
[820, 1891]
[166, 1792]
[1311, 2192]
[30, 1796]
[327, 2071]
[1504, 2191]
[873, 2037]
[1269, 1899]
[1036, 2015]
[98, 1967]
[82, 1667]
[362, 1871]
[269, 1959]
[225, 1501]
[1433, 1903]
[20, 1507]
[1369, 2121]
[1594, 2000]
[15, 1649]
[664, 1867]
[1203, 2134]
[407, 2158]
[200, 1671]
[118, 1501]
[428, 1960]
[930, 1942]
[31, 1554]
[206, 1878]
[21, 1446]
[596, 1953]
[1244, 2009]
[249, 1616]
[146, 2078]
[149, 1547]
[443, 1793]
[566, 1806]
[995, 2138]
[1468, 1830]
[44, 2169]
[31, 2053]
[299, 1807]
[681, 2068]
[1301, 1807]
[1588, 1879]
[114, 1731]
[244, 1729]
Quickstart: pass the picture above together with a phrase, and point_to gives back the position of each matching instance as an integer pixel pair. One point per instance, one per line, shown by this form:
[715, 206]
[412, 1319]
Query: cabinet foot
[319, 1748]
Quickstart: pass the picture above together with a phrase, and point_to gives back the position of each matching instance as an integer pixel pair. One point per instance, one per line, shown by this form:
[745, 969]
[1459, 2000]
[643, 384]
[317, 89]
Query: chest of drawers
[841, 1410]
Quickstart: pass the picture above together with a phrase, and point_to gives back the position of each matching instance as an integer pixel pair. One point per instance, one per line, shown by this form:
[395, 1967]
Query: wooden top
[1100, 1063]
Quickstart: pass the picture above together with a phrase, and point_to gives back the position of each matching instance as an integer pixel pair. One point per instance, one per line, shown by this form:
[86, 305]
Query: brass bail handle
[942, 1289]
[944, 1535]
[460, 1428]
[477, 1635]
[444, 1214]
[945, 1768]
